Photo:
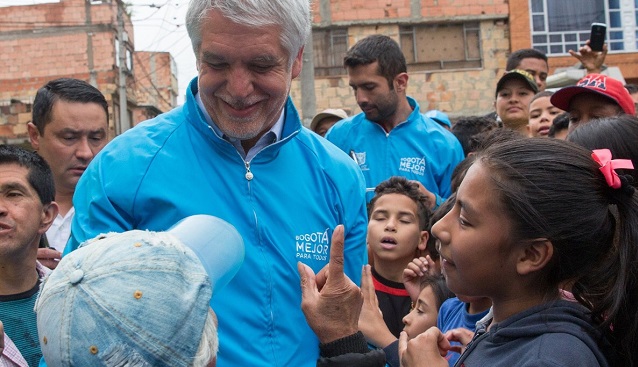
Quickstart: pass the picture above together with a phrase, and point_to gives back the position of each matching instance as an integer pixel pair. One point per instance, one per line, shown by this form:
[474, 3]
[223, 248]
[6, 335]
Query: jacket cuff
[392, 354]
[355, 343]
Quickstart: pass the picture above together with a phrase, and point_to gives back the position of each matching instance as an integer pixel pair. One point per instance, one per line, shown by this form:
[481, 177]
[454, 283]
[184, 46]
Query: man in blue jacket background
[391, 137]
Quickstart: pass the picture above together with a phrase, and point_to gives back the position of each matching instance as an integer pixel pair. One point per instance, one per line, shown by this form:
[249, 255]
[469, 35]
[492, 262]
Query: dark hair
[465, 128]
[515, 58]
[39, 176]
[439, 288]
[458, 174]
[619, 134]
[545, 93]
[438, 213]
[496, 136]
[401, 185]
[382, 49]
[631, 88]
[553, 189]
[560, 123]
[65, 89]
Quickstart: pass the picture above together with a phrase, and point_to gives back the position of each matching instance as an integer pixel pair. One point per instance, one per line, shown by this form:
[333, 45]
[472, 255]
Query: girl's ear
[535, 255]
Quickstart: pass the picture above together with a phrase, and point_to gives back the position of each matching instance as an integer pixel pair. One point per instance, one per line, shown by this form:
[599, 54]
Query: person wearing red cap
[594, 96]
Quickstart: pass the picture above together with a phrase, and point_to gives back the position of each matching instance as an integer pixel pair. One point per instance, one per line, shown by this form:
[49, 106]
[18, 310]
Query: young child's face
[512, 103]
[477, 254]
[585, 107]
[423, 315]
[541, 115]
[393, 229]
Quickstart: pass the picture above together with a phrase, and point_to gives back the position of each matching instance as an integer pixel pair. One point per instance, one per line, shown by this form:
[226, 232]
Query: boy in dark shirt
[397, 233]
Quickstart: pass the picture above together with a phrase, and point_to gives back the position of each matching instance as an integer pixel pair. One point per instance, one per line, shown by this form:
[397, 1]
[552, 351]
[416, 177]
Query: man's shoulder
[344, 126]
[435, 133]
[326, 154]
[146, 139]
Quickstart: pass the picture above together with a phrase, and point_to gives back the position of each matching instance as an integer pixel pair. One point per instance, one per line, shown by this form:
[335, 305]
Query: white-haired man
[237, 150]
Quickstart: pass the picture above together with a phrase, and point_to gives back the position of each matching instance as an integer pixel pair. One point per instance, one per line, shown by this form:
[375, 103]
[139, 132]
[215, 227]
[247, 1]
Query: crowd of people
[225, 233]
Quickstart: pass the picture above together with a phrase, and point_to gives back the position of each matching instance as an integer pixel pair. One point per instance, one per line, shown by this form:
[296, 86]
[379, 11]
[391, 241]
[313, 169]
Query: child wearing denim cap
[139, 297]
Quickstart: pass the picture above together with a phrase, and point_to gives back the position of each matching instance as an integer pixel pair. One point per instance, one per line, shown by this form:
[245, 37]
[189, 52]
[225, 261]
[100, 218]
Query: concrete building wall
[458, 92]
[75, 39]
[156, 82]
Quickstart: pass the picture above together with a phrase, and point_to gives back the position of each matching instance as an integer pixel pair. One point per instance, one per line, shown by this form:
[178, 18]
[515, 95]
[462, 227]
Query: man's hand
[371, 322]
[49, 257]
[592, 60]
[331, 303]
[426, 349]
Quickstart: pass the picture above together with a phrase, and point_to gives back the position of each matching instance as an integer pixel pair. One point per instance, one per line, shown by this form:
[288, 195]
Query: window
[441, 46]
[329, 46]
[562, 25]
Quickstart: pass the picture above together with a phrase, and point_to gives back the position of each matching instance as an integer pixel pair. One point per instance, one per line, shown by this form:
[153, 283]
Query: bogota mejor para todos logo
[313, 245]
[415, 165]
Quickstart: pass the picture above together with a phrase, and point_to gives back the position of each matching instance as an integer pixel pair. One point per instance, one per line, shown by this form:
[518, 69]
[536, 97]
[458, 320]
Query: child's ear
[423, 243]
[535, 255]
[422, 247]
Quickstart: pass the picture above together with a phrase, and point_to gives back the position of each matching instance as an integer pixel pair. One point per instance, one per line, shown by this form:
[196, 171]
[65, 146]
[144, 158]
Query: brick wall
[72, 38]
[156, 83]
[457, 92]
[378, 10]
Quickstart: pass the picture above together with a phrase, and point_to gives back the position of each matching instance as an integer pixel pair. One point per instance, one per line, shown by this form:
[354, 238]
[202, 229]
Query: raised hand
[371, 322]
[330, 301]
[425, 350]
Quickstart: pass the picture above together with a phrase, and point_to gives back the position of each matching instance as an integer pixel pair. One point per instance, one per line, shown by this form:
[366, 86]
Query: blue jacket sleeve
[101, 206]
[356, 227]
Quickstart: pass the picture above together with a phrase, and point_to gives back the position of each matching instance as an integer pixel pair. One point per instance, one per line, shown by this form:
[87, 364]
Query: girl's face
[477, 256]
[512, 103]
[423, 315]
[541, 115]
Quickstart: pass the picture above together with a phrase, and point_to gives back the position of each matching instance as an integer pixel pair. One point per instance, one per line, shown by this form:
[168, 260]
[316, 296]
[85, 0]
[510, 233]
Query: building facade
[457, 49]
[80, 39]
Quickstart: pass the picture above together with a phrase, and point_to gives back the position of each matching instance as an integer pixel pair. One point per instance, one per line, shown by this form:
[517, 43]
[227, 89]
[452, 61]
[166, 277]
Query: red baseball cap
[598, 84]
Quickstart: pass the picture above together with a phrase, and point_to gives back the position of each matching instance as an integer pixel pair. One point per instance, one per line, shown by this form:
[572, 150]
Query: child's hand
[426, 349]
[461, 335]
[419, 268]
[371, 322]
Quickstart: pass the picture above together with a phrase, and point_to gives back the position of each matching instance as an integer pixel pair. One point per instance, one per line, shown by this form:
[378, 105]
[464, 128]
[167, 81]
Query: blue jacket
[557, 333]
[175, 165]
[418, 149]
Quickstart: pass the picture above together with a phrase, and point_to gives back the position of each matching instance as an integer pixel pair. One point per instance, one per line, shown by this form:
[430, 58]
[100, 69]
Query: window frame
[620, 38]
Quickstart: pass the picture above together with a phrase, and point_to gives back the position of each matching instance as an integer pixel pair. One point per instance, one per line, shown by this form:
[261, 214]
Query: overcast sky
[159, 26]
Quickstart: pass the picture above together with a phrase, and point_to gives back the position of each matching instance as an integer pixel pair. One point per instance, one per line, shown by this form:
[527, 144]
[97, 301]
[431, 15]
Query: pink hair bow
[609, 166]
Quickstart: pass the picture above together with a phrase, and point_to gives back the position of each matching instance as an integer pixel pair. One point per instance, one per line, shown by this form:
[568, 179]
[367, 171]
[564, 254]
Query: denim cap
[136, 298]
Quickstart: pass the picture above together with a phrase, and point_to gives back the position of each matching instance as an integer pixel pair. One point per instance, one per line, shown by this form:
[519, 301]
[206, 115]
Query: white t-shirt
[60, 231]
